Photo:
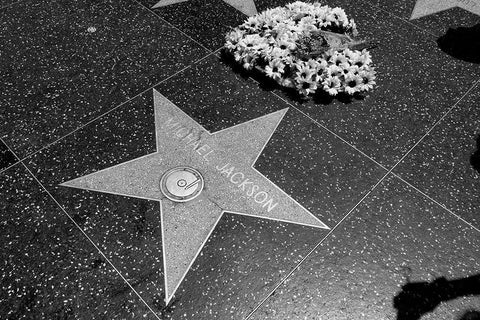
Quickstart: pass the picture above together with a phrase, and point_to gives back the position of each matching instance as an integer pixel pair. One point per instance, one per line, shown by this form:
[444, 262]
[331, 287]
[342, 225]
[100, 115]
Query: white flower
[338, 16]
[307, 24]
[304, 71]
[252, 23]
[367, 58]
[275, 69]
[306, 85]
[286, 43]
[331, 85]
[338, 59]
[368, 80]
[353, 83]
[299, 7]
[277, 53]
[252, 43]
[334, 71]
[233, 38]
[319, 65]
[270, 39]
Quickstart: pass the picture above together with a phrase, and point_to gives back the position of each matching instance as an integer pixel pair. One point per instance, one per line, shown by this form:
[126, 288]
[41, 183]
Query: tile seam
[89, 122]
[441, 205]
[390, 171]
[85, 235]
[172, 25]
[298, 264]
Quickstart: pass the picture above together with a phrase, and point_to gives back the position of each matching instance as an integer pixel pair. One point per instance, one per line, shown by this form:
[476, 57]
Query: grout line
[285, 278]
[398, 17]
[93, 243]
[436, 124]
[173, 26]
[435, 201]
[86, 236]
[114, 108]
[390, 171]
[322, 126]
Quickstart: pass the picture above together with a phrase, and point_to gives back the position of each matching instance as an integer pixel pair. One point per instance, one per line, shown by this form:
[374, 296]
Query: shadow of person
[475, 158]
[419, 298]
[470, 315]
[462, 43]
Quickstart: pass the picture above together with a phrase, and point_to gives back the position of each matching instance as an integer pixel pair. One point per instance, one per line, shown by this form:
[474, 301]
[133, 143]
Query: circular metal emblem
[181, 184]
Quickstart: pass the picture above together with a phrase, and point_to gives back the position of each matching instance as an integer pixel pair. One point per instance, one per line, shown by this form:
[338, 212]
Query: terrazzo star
[187, 176]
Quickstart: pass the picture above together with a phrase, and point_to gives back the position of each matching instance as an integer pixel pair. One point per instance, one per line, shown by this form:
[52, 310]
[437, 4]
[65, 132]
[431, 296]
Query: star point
[247, 7]
[427, 7]
[225, 160]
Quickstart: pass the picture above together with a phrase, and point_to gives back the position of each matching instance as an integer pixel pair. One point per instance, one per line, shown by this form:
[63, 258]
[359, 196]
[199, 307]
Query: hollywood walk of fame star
[247, 7]
[427, 7]
[225, 161]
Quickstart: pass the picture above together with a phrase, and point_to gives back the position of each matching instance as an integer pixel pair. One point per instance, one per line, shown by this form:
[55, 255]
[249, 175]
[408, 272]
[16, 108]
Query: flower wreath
[305, 46]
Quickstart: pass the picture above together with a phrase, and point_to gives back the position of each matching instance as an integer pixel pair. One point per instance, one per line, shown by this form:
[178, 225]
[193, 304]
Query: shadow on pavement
[462, 43]
[419, 298]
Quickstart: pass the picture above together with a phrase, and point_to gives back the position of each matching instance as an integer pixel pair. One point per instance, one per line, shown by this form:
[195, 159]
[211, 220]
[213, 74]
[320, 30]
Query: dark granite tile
[65, 62]
[216, 97]
[126, 229]
[49, 269]
[221, 283]
[244, 258]
[438, 22]
[7, 158]
[316, 168]
[386, 255]
[416, 84]
[206, 21]
[446, 164]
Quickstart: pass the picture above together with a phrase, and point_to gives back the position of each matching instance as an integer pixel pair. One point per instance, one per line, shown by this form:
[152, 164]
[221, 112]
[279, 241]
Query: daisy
[250, 42]
[304, 71]
[275, 69]
[307, 24]
[277, 53]
[361, 60]
[353, 83]
[306, 86]
[338, 59]
[233, 38]
[252, 23]
[299, 7]
[320, 66]
[331, 85]
[338, 16]
[368, 80]
[352, 28]
[351, 69]
[334, 71]
[285, 43]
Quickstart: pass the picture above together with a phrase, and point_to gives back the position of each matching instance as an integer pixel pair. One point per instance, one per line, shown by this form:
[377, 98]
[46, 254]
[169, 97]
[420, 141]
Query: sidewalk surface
[362, 209]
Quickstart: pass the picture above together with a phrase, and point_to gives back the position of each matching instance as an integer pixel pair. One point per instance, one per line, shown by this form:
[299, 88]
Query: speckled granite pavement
[387, 188]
